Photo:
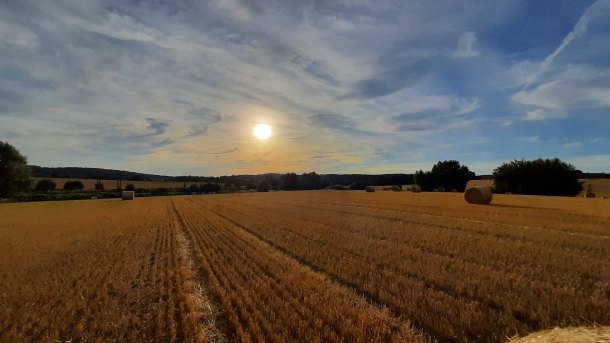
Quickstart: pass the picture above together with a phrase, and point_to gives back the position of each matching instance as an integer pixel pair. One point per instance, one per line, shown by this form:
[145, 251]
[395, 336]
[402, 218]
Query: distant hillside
[239, 180]
[94, 173]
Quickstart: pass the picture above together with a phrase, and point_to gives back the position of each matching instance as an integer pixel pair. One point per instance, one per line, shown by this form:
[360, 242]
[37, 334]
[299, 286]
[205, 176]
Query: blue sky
[175, 87]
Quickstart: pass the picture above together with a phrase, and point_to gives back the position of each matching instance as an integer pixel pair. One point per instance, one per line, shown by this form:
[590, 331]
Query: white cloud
[572, 145]
[591, 163]
[540, 114]
[597, 9]
[530, 139]
[466, 45]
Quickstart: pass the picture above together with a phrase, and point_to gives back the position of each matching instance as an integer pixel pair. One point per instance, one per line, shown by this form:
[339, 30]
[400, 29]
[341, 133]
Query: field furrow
[287, 286]
[445, 269]
[320, 266]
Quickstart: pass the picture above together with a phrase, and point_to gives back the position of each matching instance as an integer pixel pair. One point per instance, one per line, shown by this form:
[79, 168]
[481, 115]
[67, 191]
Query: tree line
[532, 177]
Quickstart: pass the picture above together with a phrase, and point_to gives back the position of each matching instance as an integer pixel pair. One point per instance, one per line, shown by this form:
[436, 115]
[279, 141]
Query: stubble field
[313, 266]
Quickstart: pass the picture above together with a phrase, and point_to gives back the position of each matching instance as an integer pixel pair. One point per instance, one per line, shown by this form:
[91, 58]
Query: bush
[140, 190]
[210, 188]
[45, 185]
[99, 186]
[538, 177]
[358, 186]
[73, 185]
[130, 187]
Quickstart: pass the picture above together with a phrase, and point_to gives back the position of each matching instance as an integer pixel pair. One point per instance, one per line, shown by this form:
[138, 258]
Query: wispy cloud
[176, 87]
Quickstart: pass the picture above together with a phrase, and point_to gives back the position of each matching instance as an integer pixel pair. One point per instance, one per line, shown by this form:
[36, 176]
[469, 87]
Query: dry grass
[594, 334]
[302, 266]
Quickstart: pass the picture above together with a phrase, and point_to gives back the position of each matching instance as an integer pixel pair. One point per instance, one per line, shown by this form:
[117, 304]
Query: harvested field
[312, 266]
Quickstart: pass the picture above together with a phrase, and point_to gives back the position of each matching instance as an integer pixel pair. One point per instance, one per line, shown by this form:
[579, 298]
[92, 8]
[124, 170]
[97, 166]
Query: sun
[262, 131]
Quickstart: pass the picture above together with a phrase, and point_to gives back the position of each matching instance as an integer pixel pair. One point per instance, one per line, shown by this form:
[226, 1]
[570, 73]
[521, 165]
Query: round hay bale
[478, 195]
[370, 189]
[416, 189]
[128, 195]
[570, 334]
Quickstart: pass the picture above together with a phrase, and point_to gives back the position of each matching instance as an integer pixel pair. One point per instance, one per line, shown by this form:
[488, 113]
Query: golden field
[315, 266]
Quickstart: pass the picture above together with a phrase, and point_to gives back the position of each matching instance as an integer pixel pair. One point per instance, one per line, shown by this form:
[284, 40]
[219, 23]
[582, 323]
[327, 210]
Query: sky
[348, 86]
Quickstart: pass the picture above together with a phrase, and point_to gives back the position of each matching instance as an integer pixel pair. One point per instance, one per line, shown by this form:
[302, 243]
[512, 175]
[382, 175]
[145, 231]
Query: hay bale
[370, 189]
[569, 334]
[589, 195]
[128, 195]
[415, 189]
[478, 195]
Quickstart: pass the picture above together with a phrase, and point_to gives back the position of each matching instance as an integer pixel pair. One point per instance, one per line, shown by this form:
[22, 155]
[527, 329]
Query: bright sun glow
[262, 131]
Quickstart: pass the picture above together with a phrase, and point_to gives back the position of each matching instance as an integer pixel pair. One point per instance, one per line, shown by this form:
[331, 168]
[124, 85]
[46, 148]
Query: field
[317, 266]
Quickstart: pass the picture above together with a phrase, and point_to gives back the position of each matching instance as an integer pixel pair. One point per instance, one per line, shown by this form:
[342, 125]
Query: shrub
[210, 188]
[45, 185]
[538, 177]
[130, 187]
[73, 185]
[99, 186]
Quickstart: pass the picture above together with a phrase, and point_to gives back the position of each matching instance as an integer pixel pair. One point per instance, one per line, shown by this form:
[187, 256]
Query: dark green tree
[263, 186]
[538, 177]
[451, 175]
[14, 173]
[291, 182]
[73, 185]
[311, 180]
[447, 174]
[45, 185]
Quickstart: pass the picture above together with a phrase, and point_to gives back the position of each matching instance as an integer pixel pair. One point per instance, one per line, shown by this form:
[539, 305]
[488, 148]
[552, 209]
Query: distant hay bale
[415, 189]
[128, 195]
[571, 334]
[589, 195]
[370, 189]
[478, 195]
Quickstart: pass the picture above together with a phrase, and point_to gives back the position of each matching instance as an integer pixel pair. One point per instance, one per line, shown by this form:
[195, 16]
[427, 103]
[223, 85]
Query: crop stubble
[304, 266]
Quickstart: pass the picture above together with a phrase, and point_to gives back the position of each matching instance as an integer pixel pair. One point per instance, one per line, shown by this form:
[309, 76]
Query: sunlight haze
[366, 86]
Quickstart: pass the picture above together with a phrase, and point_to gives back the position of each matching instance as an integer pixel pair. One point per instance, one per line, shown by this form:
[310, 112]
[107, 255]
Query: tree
[291, 182]
[311, 180]
[446, 174]
[130, 187]
[538, 177]
[263, 186]
[45, 185]
[73, 185]
[14, 173]
[99, 185]
[210, 187]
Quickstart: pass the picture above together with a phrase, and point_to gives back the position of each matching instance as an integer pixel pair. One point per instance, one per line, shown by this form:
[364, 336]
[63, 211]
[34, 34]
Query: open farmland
[302, 266]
